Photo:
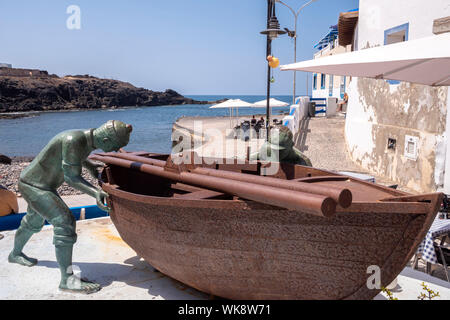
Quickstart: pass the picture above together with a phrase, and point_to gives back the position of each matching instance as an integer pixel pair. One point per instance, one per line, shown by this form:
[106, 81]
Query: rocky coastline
[25, 90]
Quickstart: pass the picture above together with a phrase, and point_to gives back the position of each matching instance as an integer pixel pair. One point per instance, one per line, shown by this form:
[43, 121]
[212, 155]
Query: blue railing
[12, 222]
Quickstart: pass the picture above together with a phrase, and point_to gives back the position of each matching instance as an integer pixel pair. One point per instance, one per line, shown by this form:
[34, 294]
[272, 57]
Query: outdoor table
[426, 249]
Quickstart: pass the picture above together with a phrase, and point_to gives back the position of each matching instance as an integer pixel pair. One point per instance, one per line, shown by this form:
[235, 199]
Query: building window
[343, 83]
[315, 81]
[396, 34]
[322, 81]
[331, 85]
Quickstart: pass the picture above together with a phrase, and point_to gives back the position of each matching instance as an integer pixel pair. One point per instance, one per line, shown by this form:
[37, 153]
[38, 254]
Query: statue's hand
[101, 200]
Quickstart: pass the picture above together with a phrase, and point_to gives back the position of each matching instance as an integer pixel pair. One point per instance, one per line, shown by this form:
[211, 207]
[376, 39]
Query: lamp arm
[304, 6]
[292, 10]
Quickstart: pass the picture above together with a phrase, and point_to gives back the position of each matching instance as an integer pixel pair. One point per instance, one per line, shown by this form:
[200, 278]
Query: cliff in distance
[24, 90]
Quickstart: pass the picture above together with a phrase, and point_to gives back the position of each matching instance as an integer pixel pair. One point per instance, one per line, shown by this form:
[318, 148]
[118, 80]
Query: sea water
[152, 125]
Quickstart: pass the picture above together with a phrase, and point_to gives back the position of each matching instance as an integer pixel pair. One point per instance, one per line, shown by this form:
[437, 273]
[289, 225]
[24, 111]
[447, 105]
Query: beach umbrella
[232, 104]
[423, 61]
[272, 102]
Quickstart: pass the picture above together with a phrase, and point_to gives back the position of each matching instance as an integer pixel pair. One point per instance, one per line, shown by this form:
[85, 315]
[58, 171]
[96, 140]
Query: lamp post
[272, 32]
[293, 34]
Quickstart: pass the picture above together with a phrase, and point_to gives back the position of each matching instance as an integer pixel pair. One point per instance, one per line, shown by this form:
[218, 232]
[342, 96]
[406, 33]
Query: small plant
[428, 294]
[388, 293]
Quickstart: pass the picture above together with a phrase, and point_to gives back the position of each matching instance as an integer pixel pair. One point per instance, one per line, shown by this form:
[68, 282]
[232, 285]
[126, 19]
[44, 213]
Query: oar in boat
[341, 195]
[288, 199]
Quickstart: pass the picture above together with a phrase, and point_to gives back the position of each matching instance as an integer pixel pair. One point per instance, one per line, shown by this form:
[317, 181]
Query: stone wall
[379, 112]
[13, 72]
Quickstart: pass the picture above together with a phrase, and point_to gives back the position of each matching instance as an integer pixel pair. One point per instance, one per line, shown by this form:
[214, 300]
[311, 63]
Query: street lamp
[293, 34]
[272, 32]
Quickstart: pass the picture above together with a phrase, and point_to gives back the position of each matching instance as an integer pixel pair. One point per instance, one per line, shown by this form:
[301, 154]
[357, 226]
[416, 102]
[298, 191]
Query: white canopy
[424, 61]
[232, 103]
[272, 102]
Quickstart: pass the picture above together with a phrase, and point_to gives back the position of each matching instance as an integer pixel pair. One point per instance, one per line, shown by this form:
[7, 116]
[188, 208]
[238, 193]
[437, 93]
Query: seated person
[281, 141]
[253, 121]
[342, 105]
[8, 202]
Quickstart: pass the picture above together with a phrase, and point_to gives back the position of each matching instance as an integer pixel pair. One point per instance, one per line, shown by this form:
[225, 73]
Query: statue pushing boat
[225, 228]
[62, 161]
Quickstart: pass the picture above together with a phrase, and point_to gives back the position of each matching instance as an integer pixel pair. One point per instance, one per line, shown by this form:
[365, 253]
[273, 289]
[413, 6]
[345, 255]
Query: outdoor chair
[245, 130]
[443, 255]
[236, 131]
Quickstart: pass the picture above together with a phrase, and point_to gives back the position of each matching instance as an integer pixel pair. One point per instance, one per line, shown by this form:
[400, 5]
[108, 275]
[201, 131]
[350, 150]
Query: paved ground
[218, 136]
[103, 257]
[321, 139]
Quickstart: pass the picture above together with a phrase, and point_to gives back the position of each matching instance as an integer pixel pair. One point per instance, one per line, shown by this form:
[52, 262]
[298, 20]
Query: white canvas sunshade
[232, 103]
[424, 61]
[272, 102]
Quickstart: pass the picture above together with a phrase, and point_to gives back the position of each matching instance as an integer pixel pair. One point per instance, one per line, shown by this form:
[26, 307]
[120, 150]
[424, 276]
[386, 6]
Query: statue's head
[281, 140]
[112, 136]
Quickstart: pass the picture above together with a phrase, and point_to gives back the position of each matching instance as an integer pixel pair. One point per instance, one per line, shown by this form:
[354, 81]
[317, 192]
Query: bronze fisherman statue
[62, 161]
[280, 148]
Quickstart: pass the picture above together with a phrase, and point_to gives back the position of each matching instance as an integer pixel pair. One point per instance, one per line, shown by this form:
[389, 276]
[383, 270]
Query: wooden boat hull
[239, 249]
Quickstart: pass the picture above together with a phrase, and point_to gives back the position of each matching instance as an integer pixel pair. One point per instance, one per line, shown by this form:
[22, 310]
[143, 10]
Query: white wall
[375, 16]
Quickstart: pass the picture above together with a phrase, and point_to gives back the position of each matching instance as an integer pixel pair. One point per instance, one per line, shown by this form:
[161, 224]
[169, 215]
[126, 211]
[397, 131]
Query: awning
[346, 26]
[328, 38]
[424, 61]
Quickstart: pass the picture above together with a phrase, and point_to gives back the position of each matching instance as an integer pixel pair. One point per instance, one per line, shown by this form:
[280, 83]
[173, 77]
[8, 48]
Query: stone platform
[103, 257]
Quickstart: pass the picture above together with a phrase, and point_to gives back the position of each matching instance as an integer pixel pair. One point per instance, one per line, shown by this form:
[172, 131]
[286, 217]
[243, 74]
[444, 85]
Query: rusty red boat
[226, 230]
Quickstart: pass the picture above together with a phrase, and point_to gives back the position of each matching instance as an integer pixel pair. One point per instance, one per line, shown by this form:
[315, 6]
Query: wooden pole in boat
[342, 196]
[292, 200]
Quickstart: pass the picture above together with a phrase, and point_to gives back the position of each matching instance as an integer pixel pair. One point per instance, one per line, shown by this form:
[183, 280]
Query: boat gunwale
[178, 202]
[412, 207]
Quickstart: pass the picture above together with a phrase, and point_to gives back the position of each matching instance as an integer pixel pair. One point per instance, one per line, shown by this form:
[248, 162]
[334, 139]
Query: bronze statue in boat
[226, 230]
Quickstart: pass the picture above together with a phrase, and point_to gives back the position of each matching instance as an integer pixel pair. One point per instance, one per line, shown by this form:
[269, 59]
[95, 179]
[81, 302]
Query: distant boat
[236, 248]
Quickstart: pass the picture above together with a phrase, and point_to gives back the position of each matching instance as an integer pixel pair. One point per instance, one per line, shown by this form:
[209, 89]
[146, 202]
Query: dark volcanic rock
[4, 159]
[20, 92]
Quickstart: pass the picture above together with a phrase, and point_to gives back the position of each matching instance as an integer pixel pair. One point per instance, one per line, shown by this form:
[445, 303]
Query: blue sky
[191, 46]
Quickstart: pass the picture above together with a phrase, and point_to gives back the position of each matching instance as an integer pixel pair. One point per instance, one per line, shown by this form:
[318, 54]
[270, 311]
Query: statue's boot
[69, 281]
[32, 223]
[20, 240]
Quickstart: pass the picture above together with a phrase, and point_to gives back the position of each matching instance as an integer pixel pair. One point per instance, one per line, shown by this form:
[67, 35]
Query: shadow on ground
[134, 272]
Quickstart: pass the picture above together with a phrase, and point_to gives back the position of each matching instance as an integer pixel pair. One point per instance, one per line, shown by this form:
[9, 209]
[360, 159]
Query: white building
[399, 130]
[323, 85]
[5, 65]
